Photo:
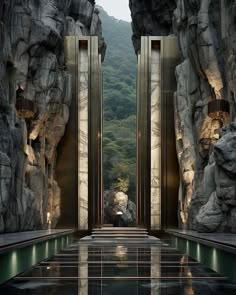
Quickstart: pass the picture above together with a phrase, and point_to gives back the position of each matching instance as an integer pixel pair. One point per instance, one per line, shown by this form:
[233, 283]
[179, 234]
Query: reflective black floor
[85, 269]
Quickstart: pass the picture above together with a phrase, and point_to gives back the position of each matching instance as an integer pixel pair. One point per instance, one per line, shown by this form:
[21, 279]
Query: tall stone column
[157, 172]
[84, 64]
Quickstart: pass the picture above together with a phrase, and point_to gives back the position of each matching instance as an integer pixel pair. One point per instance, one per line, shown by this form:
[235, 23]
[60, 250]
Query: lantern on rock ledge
[219, 109]
[25, 108]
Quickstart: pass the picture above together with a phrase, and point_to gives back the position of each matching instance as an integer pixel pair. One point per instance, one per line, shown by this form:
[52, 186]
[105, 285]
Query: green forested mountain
[119, 74]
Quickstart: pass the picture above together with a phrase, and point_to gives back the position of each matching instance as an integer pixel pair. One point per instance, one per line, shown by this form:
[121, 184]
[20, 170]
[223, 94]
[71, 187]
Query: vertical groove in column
[67, 160]
[100, 140]
[138, 147]
[170, 170]
[143, 157]
[95, 126]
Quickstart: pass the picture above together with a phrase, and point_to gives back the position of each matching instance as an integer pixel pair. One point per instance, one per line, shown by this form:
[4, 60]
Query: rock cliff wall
[151, 18]
[206, 35]
[32, 66]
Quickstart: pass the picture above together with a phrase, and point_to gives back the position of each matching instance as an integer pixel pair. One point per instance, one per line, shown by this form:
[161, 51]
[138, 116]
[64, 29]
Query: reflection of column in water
[155, 271]
[83, 270]
[155, 136]
[185, 272]
[188, 289]
[54, 270]
[121, 253]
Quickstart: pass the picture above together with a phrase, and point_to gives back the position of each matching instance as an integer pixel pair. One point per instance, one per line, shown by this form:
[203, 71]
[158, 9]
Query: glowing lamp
[25, 108]
[219, 109]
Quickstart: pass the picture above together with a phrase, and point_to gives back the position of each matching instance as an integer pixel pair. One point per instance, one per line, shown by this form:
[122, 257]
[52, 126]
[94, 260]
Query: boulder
[118, 202]
[210, 215]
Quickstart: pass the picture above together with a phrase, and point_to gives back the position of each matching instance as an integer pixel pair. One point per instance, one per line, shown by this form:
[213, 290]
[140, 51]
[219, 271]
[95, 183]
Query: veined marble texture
[83, 92]
[83, 72]
[83, 270]
[155, 269]
[155, 139]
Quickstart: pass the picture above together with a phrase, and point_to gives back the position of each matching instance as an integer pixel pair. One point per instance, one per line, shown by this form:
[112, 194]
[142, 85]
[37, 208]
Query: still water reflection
[126, 268]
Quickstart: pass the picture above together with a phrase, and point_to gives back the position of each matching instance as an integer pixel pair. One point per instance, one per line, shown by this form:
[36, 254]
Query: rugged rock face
[32, 60]
[206, 34]
[218, 214]
[151, 18]
[205, 30]
[119, 202]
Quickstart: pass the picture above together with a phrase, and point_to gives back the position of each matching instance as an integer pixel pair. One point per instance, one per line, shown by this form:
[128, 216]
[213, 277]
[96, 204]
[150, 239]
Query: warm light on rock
[25, 108]
[219, 110]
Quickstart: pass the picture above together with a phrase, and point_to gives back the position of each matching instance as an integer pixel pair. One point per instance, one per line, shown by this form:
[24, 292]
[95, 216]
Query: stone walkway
[225, 241]
[22, 237]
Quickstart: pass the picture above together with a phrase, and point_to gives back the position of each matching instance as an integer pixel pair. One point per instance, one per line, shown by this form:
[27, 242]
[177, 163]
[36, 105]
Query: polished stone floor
[125, 269]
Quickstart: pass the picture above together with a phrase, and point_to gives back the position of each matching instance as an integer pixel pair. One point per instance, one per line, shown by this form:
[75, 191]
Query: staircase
[120, 234]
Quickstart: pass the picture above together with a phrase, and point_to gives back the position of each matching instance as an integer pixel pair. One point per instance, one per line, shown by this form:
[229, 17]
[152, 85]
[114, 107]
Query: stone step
[120, 235]
[124, 240]
[120, 228]
[108, 236]
[119, 232]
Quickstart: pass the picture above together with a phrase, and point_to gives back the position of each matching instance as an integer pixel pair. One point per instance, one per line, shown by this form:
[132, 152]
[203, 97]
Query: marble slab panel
[83, 96]
[155, 139]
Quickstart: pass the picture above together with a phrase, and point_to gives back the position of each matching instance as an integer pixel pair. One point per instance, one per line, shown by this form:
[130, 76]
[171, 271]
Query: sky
[117, 8]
